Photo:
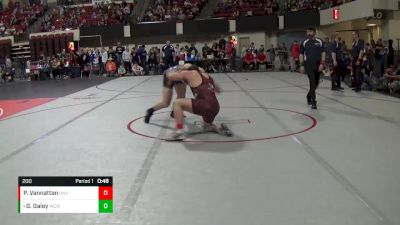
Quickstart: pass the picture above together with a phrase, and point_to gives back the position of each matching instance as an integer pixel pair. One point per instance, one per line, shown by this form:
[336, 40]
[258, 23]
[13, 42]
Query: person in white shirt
[127, 58]
[137, 70]
[103, 61]
[127, 10]
[8, 62]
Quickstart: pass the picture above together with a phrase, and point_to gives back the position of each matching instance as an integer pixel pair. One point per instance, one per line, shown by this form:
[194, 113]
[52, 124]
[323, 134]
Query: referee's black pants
[313, 76]
[337, 74]
[358, 75]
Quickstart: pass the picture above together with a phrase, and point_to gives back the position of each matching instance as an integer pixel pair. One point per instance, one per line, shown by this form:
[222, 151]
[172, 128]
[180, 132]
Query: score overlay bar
[65, 195]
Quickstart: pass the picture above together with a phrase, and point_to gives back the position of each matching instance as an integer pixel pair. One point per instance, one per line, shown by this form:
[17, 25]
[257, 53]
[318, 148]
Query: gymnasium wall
[391, 30]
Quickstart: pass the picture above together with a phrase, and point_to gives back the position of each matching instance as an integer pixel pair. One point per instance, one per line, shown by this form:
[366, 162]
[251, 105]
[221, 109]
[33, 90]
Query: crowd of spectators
[166, 10]
[379, 66]
[236, 8]
[220, 56]
[379, 69]
[73, 17]
[300, 5]
[16, 17]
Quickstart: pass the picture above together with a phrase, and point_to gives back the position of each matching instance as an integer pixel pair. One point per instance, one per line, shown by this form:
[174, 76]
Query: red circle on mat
[312, 125]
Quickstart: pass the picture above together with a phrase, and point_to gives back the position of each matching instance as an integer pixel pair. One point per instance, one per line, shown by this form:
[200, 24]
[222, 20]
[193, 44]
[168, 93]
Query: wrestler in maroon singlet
[205, 102]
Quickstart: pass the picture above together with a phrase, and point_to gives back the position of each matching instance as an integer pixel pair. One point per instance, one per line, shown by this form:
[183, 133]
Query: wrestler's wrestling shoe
[148, 115]
[224, 130]
[176, 136]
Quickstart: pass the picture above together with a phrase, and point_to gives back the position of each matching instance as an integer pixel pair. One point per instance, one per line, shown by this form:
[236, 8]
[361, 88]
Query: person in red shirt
[230, 53]
[261, 59]
[248, 60]
[111, 67]
[230, 49]
[295, 54]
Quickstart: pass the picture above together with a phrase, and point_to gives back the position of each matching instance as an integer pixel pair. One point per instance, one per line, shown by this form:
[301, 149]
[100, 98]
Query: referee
[312, 60]
[357, 54]
[336, 61]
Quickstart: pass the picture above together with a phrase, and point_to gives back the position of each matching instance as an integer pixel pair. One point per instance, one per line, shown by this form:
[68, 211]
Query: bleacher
[15, 19]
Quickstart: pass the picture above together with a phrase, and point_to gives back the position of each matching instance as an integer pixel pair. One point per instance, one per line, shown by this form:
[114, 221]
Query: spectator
[390, 57]
[103, 61]
[295, 54]
[169, 52]
[231, 54]
[181, 16]
[182, 56]
[221, 60]
[384, 54]
[261, 59]
[284, 53]
[369, 59]
[168, 15]
[249, 13]
[271, 52]
[378, 62]
[138, 55]
[111, 67]
[134, 56]
[213, 51]
[8, 62]
[9, 71]
[252, 48]
[205, 50]
[177, 49]
[248, 60]
[153, 59]
[111, 53]
[119, 51]
[268, 8]
[222, 43]
[261, 48]
[94, 57]
[393, 79]
[236, 13]
[193, 50]
[143, 56]
[84, 60]
[187, 3]
[121, 71]
[137, 70]
[230, 50]
[127, 58]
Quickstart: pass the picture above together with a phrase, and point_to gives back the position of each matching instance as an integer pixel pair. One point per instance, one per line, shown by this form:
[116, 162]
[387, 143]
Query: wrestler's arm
[217, 88]
[178, 76]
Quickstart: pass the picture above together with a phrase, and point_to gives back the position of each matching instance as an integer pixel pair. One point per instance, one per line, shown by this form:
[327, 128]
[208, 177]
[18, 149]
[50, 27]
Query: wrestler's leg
[180, 105]
[180, 89]
[165, 102]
